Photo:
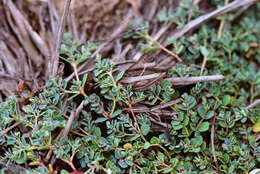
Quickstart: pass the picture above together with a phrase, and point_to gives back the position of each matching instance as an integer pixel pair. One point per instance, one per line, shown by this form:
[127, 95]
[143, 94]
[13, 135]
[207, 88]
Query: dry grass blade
[254, 104]
[139, 54]
[19, 28]
[165, 125]
[118, 31]
[192, 80]
[164, 49]
[7, 58]
[11, 167]
[55, 59]
[71, 119]
[140, 78]
[165, 105]
[197, 22]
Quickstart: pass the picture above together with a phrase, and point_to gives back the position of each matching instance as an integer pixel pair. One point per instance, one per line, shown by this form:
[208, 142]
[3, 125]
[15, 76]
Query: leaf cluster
[110, 136]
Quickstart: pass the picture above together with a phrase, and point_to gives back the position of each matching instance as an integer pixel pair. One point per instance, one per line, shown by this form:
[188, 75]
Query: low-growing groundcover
[95, 123]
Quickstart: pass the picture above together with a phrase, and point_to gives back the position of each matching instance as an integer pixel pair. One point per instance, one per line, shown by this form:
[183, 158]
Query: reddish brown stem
[133, 114]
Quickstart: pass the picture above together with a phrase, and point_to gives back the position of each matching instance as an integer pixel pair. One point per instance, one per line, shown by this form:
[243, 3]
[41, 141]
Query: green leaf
[147, 145]
[231, 169]
[100, 119]
[155, 140]
[180, 116]
[174, 162]
[122, 164]
[257, 82]
[162, 15]
[197, 141]
[64, 172]
[186, 120]
[175, 123]
[178, 127]
[167, 170]
[145, 128]
[204, 126]
[116, 113]
[226, 100]
[21, 158]
[97, 131]
[256, 127]
[129, 163]
[134, 138]
[204, 51]
[166, 84]
[84, 80]
[210, 114]
[201, 110]
[120, 75]
[180, 49]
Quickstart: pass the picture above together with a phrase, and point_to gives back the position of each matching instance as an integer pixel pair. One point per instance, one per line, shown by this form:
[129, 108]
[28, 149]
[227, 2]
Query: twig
[139, 54]
[192, 80]
[222, 23]
[114, 35]
[163, 48]
[50, 8]
[165, 105]
[195, 2]
[241, 10]
[71, 119]
[212, 141]
[147, 85]
[8, 129]
[6, 75]
[140, 78]
[14, 168]
[137, 125]
[66, 130]
[165, 125]
[200, 20]
[254, 104]
[35, 82]
[203, 65]
[55, 58]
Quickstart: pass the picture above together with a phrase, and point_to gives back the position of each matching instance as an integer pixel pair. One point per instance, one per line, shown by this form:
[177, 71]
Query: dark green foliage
[108, 138]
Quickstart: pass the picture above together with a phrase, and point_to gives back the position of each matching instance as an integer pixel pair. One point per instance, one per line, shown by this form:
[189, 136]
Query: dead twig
[139, 54]
[203, 65]
[140, 78]
[212, 142]
[55, 59]
[8, 129]
[11, 167]
[71, 119]
[200, 20]
[222, 23]
[165, 105]
[66, 130]
[163, 48]
[114, 35]
[254, 104]
[5, 75]
[242, 10]
[147, 85]
[192, 80]
[165, 125]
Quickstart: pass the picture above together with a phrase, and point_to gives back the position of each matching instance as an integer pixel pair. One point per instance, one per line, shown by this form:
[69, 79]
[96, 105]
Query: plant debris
[116, 86]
